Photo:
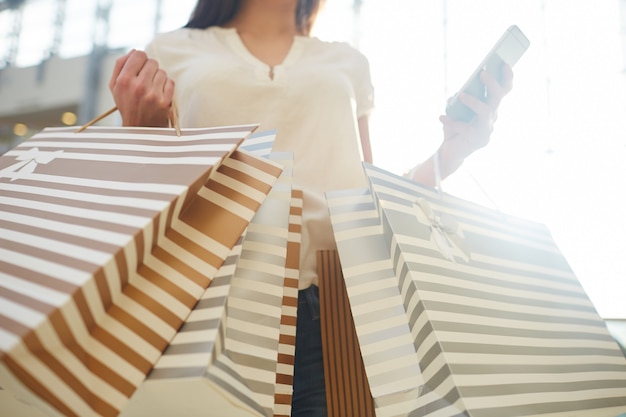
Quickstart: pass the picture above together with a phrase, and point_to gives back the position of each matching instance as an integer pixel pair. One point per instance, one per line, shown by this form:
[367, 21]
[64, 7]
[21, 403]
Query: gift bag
[381, 323]
[109, 237]
[347, 390]
[287, 340]
[255, 302]
[174, 386]
[226, 359]
[500, 324]
[260, 144]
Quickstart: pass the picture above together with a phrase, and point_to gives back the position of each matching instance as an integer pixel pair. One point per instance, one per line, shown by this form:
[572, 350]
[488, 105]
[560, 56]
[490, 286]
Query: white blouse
[313, 100]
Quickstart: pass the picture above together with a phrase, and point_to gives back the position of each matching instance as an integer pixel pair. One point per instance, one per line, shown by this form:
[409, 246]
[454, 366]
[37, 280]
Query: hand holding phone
[508, 50]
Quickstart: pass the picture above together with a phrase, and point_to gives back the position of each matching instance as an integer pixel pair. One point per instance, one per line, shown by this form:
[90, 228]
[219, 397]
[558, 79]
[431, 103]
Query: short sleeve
[364, 90]
[152, 47]
[164, 46]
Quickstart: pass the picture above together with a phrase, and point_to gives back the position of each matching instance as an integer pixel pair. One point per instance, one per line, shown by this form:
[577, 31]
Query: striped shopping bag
[500, 325]
[375, 303]
[108, 239]
[255, 302]
[233, 356]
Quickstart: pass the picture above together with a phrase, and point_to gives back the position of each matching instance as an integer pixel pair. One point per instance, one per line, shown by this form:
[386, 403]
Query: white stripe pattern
[392, 369]
[195, 356]
[258, 289]
[513, 315]
[126, 334]
[286, 346]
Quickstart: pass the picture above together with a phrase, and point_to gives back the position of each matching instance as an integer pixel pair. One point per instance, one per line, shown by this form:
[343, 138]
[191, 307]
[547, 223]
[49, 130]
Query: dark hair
[219, 12]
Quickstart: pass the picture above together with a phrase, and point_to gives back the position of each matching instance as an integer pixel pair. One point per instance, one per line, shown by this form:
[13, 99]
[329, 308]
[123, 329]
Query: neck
[264, 18]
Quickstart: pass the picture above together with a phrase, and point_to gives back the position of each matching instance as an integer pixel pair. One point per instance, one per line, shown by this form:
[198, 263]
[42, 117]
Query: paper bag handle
[173, 118]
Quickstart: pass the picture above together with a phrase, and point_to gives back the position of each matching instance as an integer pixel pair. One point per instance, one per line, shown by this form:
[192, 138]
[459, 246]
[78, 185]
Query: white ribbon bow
[445, 231]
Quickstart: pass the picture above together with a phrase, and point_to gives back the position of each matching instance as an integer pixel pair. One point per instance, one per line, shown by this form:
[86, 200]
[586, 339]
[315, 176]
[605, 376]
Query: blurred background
[557, 153]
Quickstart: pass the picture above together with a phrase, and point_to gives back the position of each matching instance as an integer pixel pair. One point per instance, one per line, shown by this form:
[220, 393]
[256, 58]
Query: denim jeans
[309, 389]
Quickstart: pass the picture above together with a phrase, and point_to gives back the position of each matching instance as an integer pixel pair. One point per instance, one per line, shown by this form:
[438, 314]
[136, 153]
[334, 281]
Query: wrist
[450, 158]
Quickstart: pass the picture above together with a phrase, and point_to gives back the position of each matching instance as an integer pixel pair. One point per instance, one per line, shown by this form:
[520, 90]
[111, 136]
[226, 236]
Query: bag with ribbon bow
[481, 307]
[109, 238]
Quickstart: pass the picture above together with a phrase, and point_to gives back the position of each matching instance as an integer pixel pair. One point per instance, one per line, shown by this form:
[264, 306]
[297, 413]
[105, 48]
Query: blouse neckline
[233, 40]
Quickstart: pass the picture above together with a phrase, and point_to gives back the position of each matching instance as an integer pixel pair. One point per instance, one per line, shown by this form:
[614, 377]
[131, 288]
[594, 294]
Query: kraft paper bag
[500, 324]
[347, 390]
[233, 355]
[109, 238]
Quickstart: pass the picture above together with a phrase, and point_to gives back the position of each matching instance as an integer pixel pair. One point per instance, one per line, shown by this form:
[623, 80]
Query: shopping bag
[260, 144]
[226, 359]
[255, 302]
[109, 237]
[174, 385]
[287, 340]
[381, 323]
[500, 323]
[347, 390]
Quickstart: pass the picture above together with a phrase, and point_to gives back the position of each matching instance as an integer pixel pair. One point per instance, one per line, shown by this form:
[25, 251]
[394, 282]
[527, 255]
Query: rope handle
[173, 118]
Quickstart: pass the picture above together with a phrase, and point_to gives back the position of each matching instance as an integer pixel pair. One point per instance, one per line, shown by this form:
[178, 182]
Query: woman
[253, 61]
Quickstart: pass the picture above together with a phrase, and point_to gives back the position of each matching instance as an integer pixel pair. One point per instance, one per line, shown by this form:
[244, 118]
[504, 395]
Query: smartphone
[509, 49]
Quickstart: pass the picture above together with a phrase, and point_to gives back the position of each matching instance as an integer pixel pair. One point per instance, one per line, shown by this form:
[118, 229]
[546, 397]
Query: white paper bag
[499, 322]
[109, 237]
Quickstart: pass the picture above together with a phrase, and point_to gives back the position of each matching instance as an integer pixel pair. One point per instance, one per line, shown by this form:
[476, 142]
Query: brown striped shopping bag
[499, 322]
[233, 355]
[107, 240]
[347, 390]
[255, 308]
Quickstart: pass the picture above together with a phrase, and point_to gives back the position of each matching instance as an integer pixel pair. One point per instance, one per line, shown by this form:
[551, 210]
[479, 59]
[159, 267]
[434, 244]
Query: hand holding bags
[500, 324]
[109, 238]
